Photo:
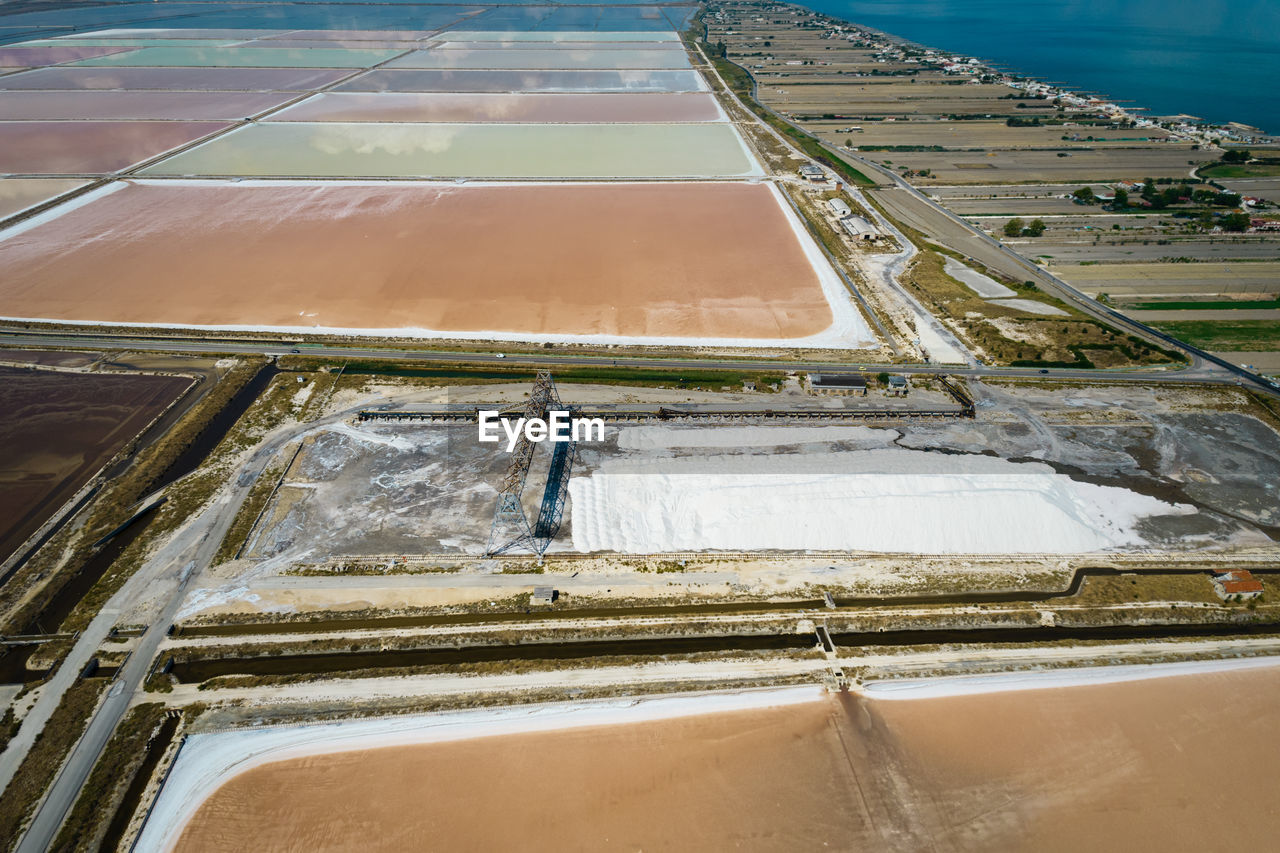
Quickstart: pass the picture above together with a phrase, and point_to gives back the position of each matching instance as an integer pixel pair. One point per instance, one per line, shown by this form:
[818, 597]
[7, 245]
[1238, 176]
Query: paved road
[1050, 282]
[187, 552]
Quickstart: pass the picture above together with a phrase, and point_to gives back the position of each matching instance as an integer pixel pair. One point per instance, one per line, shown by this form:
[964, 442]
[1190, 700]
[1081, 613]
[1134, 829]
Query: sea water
[1213, 59]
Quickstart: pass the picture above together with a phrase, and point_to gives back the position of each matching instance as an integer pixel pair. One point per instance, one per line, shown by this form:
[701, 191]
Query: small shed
[839, 208]
[898, 385]
[812, 173]
[543, 595]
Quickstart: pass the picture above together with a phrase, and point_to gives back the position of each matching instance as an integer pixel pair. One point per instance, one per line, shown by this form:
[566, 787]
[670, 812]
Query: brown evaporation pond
[58, 429]
[689, 260]
[1140, 765]
[91, 147]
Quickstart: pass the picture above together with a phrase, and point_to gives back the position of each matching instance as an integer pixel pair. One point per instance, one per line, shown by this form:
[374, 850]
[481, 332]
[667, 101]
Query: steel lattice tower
[511, 528]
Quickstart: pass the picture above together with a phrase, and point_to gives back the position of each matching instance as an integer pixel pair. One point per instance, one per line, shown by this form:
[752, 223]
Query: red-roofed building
[1237, 584]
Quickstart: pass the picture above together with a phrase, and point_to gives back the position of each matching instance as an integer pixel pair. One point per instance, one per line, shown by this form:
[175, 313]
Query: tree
[1238, 155]
[1013, 228]
[1122, 199]
[1148, 189]
[1035, 229]
[1084, 194]
[882, 378]
[1235, 222]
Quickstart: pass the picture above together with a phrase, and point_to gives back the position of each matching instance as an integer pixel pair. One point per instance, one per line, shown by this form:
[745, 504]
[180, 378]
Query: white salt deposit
[889, 500]
[652, 438]
[983, 285]
[1031, 306]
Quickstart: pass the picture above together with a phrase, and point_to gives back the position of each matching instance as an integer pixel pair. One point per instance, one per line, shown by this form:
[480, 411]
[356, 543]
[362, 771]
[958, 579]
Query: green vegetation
[1017, 228]
[644, 376]
[1009, 336]
[248, 513]
[50, 749]
[739, 81]
[8, 728]
[1207, 305]
[1225, 335]
[1244, 170]
[116, 767]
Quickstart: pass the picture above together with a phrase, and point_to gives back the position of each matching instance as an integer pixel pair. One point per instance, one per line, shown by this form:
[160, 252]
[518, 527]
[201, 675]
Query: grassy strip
[641, 376]
[64, 555]
[48, 752]
[242, 526]
[1241, 170]
[1220, 305]
[1225, 335]
[739, 81]
[100, 796]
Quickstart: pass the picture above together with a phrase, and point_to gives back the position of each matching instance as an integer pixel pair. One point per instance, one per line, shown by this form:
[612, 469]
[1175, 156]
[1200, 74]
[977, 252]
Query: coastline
[1072, 68]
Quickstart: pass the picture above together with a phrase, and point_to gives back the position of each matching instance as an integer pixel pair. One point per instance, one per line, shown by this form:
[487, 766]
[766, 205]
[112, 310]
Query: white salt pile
[888, 500]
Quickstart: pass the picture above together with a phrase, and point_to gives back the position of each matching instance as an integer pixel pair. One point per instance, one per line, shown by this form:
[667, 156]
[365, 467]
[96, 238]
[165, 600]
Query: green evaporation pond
[367, 149]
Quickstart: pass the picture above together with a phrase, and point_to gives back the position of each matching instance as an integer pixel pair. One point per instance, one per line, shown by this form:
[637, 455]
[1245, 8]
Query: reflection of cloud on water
[395, 140]
[499, 106]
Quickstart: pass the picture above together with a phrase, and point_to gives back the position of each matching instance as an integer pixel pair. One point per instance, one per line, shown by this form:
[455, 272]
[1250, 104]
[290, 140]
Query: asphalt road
[188, 552]
[1051, 283]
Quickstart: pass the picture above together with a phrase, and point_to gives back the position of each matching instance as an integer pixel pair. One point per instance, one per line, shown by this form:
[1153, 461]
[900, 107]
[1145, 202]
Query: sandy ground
[482, 107]
[699, 261]
[91, 148]
[1091, 762]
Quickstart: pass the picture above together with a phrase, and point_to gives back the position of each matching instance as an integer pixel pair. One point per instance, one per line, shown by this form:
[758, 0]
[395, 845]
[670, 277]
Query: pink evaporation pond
[33, 57]
[514, 108]
[91, 147]
[176, 79]
[36, 106]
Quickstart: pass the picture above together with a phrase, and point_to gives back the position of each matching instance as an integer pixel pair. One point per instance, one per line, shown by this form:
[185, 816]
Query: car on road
[1042, 370]
[500, 355]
